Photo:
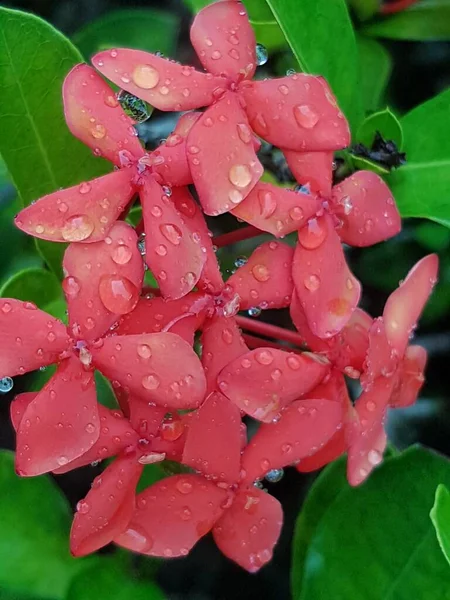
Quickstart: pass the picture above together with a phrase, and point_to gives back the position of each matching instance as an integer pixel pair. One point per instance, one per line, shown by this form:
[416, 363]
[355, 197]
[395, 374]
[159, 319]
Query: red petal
[276, 210]
[265, 280]
[18, 407]
[411, 377]
[222, 157]
[211, 277]
[95, 116]
[82, 213]
[224, 40]
[328, 291]
[222, 342]
[405, 305]
[103, 281]
[249, 529]
[107, 509]
[165, 84]
[265, 380]
[30, 338]
[156, 367]
[153, 315]
[303, 428]
[213, 442]
[169, 160]
[312, 169]
[296, 112]
[61, 423]
[145, 418]
[381, 360]
[173, 254]
[172, 515]
[364, 204]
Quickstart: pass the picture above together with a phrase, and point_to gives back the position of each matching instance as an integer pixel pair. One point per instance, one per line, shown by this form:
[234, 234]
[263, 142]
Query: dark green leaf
[365, 9]
[105, 393]
[34, 535]
[52, 253]
[144, 29]
[374, 542]
[440, 516]
[426, 20]
[432, 236]
[386, 123]
[375, 70]
[150, 475]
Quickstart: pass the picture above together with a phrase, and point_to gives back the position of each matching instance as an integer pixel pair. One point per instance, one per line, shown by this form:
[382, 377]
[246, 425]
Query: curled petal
[61, 423]
[276, 210]
[18, 407]
[265, 380]
[296, 113]
[103, 281]
[405, 305]
[95, 116]
[303, 428]
[224, 40]
[211, 278]
[411, 378]
[312, 169]
[265, 280]
[222, 342]
[364, 204]
[165, 84]
[82, 213]
[153, 315]
[172, 515]
[213, 441]
[249, 529]
[30, 338]
[156, 367]
[107, 509]
[327, 290]
[222, 156]
[173, 253]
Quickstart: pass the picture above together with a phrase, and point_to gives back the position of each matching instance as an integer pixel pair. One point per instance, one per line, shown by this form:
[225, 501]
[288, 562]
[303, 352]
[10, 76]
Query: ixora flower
[297, 112]
[392, 376]
[103, 281]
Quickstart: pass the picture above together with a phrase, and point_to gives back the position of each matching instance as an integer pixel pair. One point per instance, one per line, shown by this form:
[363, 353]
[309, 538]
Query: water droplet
[151, 382]
[216, 55]
[145, 77]
[293, 363]
[240, 261]
[6, 308]
[235, 196]
[264, 357]
[6, 385]
[133, 106]
[313, 234]
[296, 213]
[184, 486]
[311, 283]
[85, 187]
[185, 513]
[83, 507]
[276, 374]
[111, 101]
[261, 273]
[374, 457]
[262, 56]
[303, 189]
[62, 207]
[62, 460]
[144, 351]
[240, 175]
[71, 286]
[118, 294]
[370, 405]
[98, 131]
[156, 211]
[254, 311]
[90, 428]
[244, 133]
[274, 475]
[122, 254]
[283, 89]
[305, 116]
[227, 336]
[234, 54]
[347, 204]
[246, 363]
[84, 355]
[161, 250]
[172, 233]
[77, 228]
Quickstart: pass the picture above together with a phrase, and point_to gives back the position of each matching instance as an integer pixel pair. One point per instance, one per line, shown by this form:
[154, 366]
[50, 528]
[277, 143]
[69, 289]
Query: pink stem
[269, 330]
[244, 233]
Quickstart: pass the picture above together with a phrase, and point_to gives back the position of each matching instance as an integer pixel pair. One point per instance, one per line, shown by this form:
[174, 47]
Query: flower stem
[261, 328]
[244, 233]
[396, 6]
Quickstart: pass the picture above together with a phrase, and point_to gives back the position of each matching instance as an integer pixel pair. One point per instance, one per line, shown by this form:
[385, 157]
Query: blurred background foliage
[404, 61]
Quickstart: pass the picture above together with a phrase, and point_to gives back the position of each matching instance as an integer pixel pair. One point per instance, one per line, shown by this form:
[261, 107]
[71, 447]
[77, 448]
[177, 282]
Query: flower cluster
[191, 403]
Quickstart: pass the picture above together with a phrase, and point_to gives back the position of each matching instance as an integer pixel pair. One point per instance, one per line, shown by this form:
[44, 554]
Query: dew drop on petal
[118, 294]
[254, 311]
[311, 283]
[98, 131]
[312, 235]
[85, 187]
[133, 107]
[264, 357]
[235, 196]
[240, 176]
[374, 457]
[77, 228]
[293, 363]
[122, 254]
[184, 486]
[71, 286]
[144, 351]
[151, 382]
[305, 116]
[261, 273]
[145, 77]
[244, 133]
[172, 233]
[227, 336]
[267, 203]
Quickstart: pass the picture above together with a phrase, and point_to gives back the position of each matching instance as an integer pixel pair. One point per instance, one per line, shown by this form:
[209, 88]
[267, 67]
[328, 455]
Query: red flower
[297, 112]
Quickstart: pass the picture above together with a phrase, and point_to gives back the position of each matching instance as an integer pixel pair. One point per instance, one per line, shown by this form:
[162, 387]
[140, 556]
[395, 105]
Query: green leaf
[52, 253]
[421, 186]
[384, 122]
[426, 20]
[321, 36]
[105, 393]
[375, 70]
[374, 542]
[440, 517]
[34, 535]
[109, 582]
[143, 29]
[365, 9]
[432, 236]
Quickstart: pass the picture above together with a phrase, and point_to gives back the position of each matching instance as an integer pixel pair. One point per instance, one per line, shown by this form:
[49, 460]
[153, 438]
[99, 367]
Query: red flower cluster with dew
[185, 398]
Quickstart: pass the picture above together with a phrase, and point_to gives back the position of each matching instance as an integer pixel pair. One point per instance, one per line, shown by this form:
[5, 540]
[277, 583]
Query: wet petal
[249, 529]
[107, 509]
[103, 281]
[165, 84]
[222, 157]
[381, 360]
[156, 367]
[213, 442]
[327, 290]
[312, 169]
[265, 380]
[172, 515]
[30, 338]
[296, 113]
[146, 419]
[82, 213]
[224, 40]
[265, 280]
[222, 342]
[61, 423]
[278, 211]
[303, 428]
[173, 254]
[405, 305]
[364, 204]
[153, 315]
[95, 117]
[18, 407]
[411, 377]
